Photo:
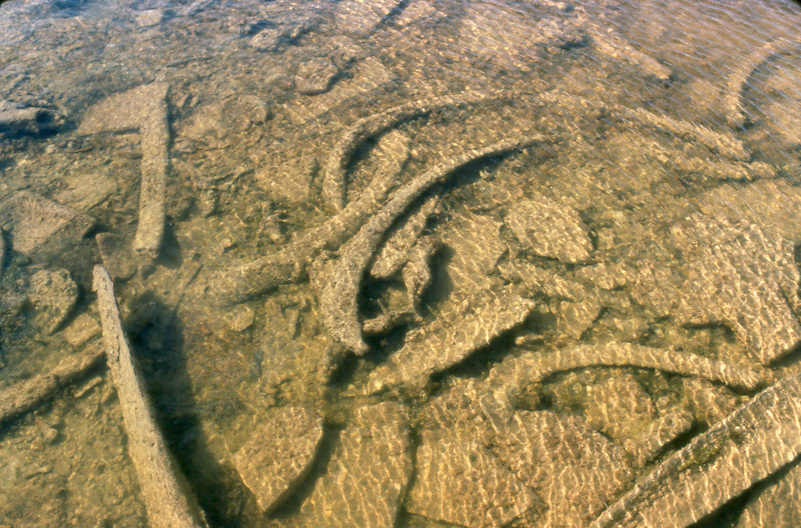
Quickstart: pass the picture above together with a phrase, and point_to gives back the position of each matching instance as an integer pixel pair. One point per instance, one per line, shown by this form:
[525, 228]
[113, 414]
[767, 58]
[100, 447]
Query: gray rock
[279, 455]
[41, 228]
[367, 476]
[315, 76]
[53, 294]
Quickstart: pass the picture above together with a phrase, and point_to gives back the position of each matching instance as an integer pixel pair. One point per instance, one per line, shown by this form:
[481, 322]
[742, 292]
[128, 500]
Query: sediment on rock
[450, 340]
[145, 108]
[166, 494]
[240, 283]
[532, 368]
[17, 119]
[738, 80]
[657, 435]
[334, 185]
[26, 395]
[339, 297]
[749, 445]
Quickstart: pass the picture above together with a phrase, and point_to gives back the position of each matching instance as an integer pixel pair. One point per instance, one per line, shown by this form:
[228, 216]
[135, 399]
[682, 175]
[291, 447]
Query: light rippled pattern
[413, 263]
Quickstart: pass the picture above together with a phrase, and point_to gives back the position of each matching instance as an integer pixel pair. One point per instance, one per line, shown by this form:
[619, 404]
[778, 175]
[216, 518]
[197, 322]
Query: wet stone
[117, 255]
[547, 228]
[53, 294]
[362, 16]
[82, 329]
[40, 227]
[17, 119]
[744, 276]
[775, 502]
[366, 479]
[477, 247]
[459, 481]
[450, 339]
[315, 76]
[279, 455]
[573, 468]
[619, 407]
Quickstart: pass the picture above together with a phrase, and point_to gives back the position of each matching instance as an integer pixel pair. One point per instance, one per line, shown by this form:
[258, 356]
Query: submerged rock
[41, 228]
[315, 76]
[53, 294]
[17, 119]
[367, 476]
[743, 276]
[459, 481]
[279, 455]
[549, 229]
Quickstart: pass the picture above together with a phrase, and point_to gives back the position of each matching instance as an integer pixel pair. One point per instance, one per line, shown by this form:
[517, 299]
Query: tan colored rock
[279, 454]
[547, 228]
[366, 479]
[54, 295]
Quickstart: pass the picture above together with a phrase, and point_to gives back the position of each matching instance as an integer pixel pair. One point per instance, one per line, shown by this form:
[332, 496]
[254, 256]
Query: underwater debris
[143, 108]
[339, 296]
[166, 494]
[749, 445]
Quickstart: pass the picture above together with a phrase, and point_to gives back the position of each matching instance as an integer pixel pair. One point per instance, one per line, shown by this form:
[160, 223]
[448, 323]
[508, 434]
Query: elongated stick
[164, 489]
[27, 394]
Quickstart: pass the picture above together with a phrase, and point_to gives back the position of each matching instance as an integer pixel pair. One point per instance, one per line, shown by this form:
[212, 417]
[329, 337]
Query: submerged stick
[739, 79]
[339, 297]
[752, 443]
[334, 186]
[164, 490]
[26, 395]
[240, 283]
[145, 108]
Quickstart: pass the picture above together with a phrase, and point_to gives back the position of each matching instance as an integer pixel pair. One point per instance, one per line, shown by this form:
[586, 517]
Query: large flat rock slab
[276, 458]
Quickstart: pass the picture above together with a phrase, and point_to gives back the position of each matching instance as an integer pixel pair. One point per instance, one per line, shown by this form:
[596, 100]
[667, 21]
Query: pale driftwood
[532, 368]
[752, 443]
[339, 296]
[164, 490]
[242, 282]
[745, 68]
[143, 108]
[334, 185]
[26, 395]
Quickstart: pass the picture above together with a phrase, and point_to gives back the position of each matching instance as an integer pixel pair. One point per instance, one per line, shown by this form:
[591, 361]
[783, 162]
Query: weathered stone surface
[448, 340]
[369, 75]
[657, 435]
[117, 255]
[53, 294]
[367, 476]
[40, 227]
[477, 247]
[774, 502]
[744, 276]
[572, 467]
[749, 445]
[82, 329]
[315, 76]
[362, 16]
[279, 455]
[619, 407]
[18, 119]
[549, 229]
[709, 403]
[459, 481]
[417, 273]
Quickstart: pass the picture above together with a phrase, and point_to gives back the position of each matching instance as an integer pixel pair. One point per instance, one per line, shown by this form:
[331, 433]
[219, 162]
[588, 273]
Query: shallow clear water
[520, 341]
